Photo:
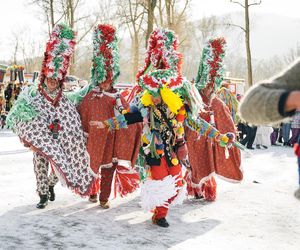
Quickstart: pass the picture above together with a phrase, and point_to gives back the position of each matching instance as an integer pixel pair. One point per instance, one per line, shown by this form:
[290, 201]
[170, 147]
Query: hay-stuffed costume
[166, 101]
[48, 122]
[207, 157]
[111, 153]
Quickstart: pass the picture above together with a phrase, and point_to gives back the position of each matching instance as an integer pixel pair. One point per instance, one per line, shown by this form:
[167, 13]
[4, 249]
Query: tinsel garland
[162, 52]
[59, 50]
[156, 79]
[211, 70]
[105, 67]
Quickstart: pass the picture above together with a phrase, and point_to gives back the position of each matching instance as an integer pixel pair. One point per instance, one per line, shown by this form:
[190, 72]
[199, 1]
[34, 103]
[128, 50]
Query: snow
[259, 213]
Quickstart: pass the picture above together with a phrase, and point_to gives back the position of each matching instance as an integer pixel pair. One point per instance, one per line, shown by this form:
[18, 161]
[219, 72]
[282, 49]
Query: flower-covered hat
[211, 69]
[59, 50]
[105, 67]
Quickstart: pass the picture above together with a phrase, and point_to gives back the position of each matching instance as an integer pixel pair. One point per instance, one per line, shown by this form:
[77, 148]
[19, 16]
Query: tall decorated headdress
[59, 50]
[161, 74]
[105, 61]
[210, 71]
[162, 52]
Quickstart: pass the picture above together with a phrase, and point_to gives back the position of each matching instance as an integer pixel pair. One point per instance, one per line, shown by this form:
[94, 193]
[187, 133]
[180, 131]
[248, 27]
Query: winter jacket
[264, 103]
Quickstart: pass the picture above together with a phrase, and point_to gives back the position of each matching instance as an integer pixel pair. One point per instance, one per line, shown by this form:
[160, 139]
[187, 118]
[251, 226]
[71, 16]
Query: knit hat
[105, 67]
[59, 50]
[210, 71]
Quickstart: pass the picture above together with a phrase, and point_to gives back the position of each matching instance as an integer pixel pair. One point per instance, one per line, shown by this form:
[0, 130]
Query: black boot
[199, 196]
[162, 222]
[43, 201]
[51, 193]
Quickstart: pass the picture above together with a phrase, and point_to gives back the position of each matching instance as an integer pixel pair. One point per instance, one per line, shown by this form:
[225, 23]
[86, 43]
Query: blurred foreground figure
[273, 100]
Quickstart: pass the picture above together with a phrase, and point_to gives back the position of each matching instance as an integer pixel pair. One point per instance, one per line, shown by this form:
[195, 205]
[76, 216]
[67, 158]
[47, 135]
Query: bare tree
[79, 20]
[292, 54]
[81, 17]
[176, 18]
[160, 21]
[16, 45]
[207, 27]
[246, 5]
[132, 14]
[199, 32]
[175, 14]
[104, 12]
[31, 49]
[268, 67]
[149, 6]
[49, 9]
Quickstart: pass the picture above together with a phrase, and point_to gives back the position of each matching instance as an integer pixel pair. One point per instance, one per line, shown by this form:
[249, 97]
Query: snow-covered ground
[259, 213]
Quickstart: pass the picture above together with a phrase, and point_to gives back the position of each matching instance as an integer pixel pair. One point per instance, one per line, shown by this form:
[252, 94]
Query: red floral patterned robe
[110, 150]
[208, 158]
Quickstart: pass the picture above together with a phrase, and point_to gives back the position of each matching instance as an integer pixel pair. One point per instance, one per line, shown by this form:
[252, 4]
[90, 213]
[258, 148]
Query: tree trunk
[168, 11]
[52, 14]
[135, 48]
[15, 52]
[248, 49]
[71, 14]
[160, 10]
[150, 12]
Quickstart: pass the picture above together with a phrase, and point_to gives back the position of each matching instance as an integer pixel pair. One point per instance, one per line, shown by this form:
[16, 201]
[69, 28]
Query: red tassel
[126, 182]
[209, 189]
[95, 187]
[192, 191]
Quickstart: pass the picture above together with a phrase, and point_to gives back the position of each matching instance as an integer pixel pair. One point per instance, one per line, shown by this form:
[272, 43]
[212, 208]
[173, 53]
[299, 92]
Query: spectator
[262, 139]
[286, 131]
[275, 135]
[8, 95]
[2, 118]
[295, 128]
[250, 136]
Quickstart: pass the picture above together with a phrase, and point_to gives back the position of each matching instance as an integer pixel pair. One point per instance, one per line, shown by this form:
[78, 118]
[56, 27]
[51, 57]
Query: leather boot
[104, 204]
[198, 196]
[162, 222]
[43, 201]
[93, 198]
[51, 193]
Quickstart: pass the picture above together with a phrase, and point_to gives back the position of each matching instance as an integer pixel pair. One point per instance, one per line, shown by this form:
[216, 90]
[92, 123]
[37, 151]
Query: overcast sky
[289, 8]
[16, 15]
